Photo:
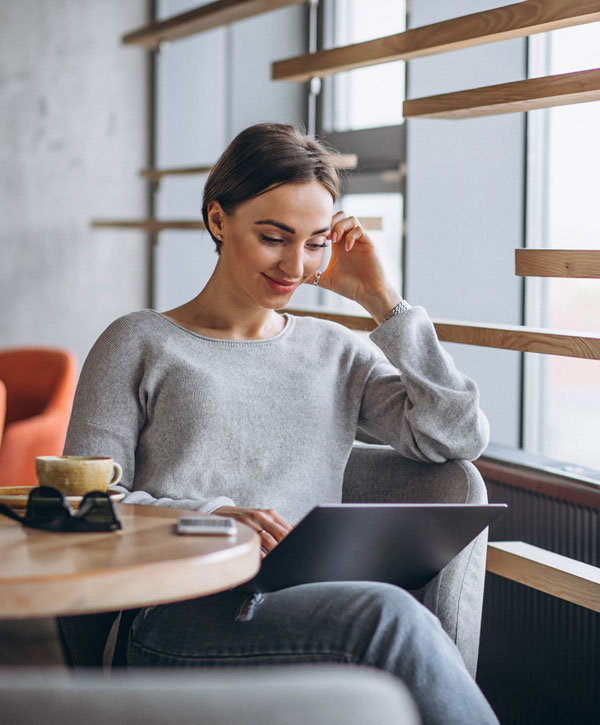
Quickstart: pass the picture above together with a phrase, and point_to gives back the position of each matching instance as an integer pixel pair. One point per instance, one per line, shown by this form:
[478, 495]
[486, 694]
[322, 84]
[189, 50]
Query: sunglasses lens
[96, 508]
[45, 502]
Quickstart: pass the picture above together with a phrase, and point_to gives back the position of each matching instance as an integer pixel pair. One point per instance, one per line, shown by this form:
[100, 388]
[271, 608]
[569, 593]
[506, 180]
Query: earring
[220, 237]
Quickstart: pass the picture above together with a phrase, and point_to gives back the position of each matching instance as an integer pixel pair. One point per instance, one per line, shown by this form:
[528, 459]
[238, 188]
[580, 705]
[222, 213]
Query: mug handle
[117, 474]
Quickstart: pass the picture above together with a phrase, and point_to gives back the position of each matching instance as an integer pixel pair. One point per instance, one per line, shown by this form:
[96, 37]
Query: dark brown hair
[262, 157]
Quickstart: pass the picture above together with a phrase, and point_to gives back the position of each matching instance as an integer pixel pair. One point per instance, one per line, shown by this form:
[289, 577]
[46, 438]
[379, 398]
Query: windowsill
[514, 456]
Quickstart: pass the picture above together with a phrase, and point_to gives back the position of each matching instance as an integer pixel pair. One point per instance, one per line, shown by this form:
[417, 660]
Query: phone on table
[207, 525]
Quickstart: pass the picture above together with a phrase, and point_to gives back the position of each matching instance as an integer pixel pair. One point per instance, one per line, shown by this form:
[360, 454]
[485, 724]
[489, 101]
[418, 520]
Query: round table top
[50, 574]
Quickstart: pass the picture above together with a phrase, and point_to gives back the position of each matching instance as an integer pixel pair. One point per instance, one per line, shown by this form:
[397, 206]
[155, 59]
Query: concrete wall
[73, 134]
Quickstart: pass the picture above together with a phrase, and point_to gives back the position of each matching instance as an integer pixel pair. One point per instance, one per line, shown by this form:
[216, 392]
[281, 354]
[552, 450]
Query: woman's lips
[280, 285]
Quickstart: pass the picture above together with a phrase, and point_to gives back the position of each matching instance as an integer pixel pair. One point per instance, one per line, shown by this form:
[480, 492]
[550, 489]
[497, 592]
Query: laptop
[404, 544]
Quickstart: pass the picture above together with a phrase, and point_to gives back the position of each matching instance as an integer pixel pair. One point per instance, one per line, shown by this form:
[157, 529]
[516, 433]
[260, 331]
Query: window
[365, 97]
[563, 394]
[360, 112]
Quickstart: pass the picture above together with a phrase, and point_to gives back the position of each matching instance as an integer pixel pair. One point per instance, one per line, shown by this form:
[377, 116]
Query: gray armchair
[378, 474]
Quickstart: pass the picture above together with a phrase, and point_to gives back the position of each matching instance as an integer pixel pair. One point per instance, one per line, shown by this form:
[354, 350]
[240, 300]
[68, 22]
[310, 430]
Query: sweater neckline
[220, 340]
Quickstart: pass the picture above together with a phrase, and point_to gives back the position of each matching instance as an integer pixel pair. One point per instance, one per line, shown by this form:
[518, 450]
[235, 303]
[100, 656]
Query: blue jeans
[348, 622]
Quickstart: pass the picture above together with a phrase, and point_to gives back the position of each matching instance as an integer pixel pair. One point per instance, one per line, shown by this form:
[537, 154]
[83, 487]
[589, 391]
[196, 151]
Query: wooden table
[48, 574]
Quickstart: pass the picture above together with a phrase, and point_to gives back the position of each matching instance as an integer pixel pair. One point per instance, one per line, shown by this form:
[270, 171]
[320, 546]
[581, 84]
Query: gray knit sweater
[199, 423]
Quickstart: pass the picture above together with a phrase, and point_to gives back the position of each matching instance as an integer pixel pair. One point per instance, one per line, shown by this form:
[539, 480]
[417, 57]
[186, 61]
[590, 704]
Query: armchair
[40, 385]
[378, 474]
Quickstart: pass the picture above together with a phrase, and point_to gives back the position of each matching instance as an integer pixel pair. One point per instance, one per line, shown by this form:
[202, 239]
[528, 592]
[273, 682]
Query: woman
[225, 406]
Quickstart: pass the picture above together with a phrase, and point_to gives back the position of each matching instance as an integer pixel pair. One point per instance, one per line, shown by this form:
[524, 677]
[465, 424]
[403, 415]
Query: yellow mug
[77, 475]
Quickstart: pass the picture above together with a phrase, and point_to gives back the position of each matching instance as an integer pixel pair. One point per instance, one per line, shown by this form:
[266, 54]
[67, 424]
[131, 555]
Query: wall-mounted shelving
[527, 95]
[154, 226]
[505, 337]
[521, 338]
[155, 175]
[489, 26]
[558, 263]
[339, 161]
[199, 19]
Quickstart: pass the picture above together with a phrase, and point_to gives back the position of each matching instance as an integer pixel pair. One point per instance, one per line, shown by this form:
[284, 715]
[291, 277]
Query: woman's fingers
[346, 228]
[266, 522]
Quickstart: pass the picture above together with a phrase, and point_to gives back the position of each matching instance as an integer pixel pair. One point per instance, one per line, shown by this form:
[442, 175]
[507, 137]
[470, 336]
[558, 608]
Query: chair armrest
[379, 474]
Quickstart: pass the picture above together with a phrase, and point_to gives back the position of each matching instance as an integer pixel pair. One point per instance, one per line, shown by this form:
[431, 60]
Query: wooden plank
[523, 339]
[527, 95]
[157, 174]
[581, 264]
[339, 161]
[505, 337]
[511, 21]
[353, 322]
[154, 226]
[545, 571]
[199, 19]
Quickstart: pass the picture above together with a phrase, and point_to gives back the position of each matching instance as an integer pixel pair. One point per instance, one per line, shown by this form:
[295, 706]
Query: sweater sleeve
[420, 403]
[110, 411]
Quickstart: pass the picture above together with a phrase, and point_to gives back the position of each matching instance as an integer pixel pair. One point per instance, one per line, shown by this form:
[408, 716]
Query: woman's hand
[354, 270]
[266, 522]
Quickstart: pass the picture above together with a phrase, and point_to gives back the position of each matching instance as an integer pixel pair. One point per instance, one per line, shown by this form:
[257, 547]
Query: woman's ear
[216, 216]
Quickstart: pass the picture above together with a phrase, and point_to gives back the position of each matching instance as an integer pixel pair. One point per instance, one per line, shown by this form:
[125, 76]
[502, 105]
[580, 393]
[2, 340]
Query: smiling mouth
[280, 286]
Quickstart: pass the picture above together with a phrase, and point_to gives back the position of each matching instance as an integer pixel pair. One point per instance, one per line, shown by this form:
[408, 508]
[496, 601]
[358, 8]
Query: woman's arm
[420, 403]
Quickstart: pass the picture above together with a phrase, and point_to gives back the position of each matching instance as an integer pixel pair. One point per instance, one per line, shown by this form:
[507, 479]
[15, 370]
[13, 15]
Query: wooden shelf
[545, 571]
[353, 322]
[157, 174]
[154, 226]
[339, 161]
[527, 95]
[199, 19]
[582, 264]
[511, 21]
[523, 339]
[505, 337]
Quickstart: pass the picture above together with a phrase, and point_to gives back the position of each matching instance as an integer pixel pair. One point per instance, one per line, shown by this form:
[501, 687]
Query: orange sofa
[40, 385]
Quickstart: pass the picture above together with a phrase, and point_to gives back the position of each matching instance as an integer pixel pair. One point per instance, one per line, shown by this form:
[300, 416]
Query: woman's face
[274, 242]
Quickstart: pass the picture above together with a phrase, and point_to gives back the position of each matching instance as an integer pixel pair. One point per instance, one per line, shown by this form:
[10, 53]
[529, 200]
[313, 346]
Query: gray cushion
[319, 695]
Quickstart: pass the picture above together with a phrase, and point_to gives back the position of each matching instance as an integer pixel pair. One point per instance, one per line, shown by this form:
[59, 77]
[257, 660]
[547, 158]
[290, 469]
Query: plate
[16, 496]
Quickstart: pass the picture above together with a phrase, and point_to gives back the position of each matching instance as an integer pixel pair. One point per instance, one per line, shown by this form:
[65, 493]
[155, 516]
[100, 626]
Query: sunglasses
[48, 509]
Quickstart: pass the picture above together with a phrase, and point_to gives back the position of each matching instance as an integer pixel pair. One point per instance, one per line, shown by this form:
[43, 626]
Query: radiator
[539, 658]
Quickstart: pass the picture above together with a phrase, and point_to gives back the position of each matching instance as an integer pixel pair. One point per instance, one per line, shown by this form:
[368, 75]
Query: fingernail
[333, 237]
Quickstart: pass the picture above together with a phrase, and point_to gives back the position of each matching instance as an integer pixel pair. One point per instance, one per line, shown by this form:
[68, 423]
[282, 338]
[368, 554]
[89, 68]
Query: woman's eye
[271, 240]
[314, 245]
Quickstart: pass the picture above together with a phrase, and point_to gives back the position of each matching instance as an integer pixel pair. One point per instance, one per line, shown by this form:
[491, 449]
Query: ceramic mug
[76, 475]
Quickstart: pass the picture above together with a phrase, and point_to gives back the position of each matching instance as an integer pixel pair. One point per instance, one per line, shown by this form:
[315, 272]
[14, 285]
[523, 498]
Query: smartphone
[207, 525]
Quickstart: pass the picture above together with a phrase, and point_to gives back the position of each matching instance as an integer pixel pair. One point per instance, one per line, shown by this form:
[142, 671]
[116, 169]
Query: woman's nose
[292, 263]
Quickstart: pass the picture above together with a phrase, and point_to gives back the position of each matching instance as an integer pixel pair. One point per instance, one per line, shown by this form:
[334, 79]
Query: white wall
[73, 134]
[465, 206]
